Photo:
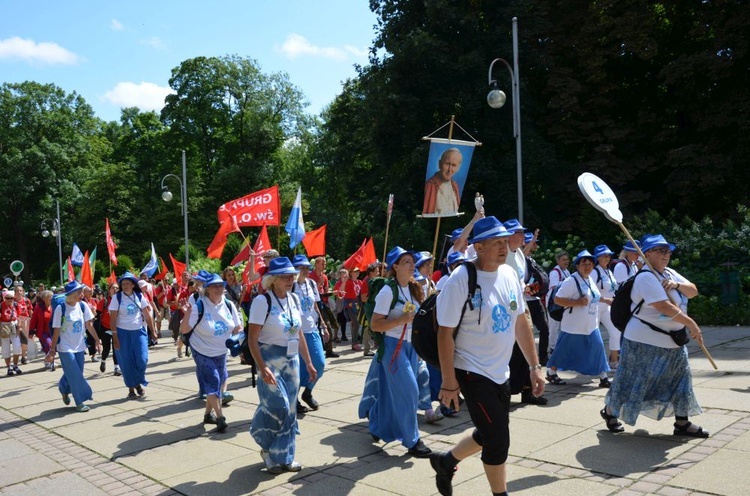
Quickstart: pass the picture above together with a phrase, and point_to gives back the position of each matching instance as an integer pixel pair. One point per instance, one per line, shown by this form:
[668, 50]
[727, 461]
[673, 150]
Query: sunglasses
[663, 251]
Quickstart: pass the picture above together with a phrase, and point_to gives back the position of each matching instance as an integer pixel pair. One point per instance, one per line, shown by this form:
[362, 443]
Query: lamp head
[166, 195]
[54, 232]
[496, 98]
[45, 233]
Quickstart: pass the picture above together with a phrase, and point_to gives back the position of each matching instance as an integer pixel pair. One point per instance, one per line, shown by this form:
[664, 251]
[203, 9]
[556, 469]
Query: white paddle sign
[600, 195]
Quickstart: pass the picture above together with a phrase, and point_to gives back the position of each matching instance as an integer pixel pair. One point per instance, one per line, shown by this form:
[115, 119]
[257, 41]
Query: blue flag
[77, 257]
[152, 264]
[295, 226]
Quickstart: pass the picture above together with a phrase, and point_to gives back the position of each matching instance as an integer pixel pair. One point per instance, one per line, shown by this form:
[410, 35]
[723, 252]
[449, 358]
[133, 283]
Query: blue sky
[118, 54]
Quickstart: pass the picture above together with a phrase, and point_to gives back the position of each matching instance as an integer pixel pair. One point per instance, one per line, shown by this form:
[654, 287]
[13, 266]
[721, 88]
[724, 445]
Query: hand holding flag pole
[601, 196]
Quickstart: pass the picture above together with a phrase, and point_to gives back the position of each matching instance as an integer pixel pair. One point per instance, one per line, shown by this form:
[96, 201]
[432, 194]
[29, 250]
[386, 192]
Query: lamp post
[496, 99]
[166, 195]
[57, 233]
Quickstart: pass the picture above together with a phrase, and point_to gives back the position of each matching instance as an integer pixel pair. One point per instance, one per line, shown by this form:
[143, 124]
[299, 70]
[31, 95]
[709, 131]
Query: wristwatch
[538, 366]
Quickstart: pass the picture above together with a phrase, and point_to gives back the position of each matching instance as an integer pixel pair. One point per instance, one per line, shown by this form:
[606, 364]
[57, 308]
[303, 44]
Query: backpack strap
[201, 311]
[599, 277]
[471, 271]
[268, 302]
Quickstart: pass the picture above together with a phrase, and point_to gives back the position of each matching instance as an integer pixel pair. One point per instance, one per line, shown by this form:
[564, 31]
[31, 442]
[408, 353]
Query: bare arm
[689, 289]
[525, 340]
[449, 388]
[382, 323]
[252, 343]
[674, 312]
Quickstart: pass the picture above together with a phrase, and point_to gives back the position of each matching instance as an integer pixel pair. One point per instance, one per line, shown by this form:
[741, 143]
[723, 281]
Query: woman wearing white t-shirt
[627, 265]
[607, 284]
[69, 341]
[579, 345]
[129, 310]
[275, 323]
[556, 276]
[391, 395]
[219, 321]
[654, 374]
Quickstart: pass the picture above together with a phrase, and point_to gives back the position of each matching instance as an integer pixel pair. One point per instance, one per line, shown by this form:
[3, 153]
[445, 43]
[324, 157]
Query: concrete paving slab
[718, 398]
[137, 438]
[562, 410]
[26, 467]
[324, 484]
[742, 443]
[10, 448]
[73, 484]
[530, 436]
[54, 414]
[524, 481]
[724, 472]
[99, 427]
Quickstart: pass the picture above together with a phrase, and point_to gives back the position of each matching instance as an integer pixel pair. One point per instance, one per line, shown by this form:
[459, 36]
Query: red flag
[216, 248]
[369, 255]
[179, 267]
[244, 253]
[87, 278]
[255, 209]
[315, 242]
[357, 256]
[112, 279]
[162, 270]
[111, 246]
[71, 273]
[262, 245]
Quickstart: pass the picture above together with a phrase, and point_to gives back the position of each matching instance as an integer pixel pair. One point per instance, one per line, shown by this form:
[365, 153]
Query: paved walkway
[158, 445]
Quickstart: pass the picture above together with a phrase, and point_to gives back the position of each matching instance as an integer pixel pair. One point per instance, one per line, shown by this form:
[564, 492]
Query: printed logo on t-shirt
[275, 311]
[220, 328]
[513, 301]
[291, 325]
[77, 327]
[476, 300]
[306, 303]
[501, 319]
[131, 310]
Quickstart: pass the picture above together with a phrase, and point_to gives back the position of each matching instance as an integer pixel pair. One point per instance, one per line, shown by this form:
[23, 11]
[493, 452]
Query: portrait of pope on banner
[447, 168]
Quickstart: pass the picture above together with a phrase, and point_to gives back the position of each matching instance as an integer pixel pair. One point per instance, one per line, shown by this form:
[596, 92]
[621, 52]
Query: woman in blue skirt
[391, 395]
[654, 377]
[69, 340]
[130, 313]
[307, 292]
[275, 323]
[579, 344]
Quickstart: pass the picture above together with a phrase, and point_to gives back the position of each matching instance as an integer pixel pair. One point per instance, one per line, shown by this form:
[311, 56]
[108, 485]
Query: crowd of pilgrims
[296, 314]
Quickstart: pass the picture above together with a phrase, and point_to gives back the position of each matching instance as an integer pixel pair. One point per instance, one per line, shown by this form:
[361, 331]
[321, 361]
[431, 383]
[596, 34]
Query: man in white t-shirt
[476, 363]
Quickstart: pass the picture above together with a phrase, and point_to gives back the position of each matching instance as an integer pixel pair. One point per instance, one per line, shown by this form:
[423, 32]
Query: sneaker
[301, 409]
[17, 370]
[140, 391]
[613, 365]
[132, 395]
[66, 399]
[419, 450]
[271, 467]
[432, 417]
[117, 372]
[221, 424]
[528, 398]
[47, 365]
[448, 412]
[23, 360]
[368, 353]
[331, 354]
[103, 366]
[187, 352]
[226, 398]
[11, 371]
[179, 353]
[292, 467]
[94, 358]
[210, 418]
[82, 408]
[605, 383]
[52, 367]
[443, 476]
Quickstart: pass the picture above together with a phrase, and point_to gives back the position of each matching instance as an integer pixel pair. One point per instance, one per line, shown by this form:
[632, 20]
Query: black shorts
[489, 408]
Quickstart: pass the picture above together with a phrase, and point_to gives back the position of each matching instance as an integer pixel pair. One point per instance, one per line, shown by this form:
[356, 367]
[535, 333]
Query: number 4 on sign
[596, 187]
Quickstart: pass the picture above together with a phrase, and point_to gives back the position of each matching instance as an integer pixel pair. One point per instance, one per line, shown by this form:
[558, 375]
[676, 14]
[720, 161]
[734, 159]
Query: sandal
[613, 424]
[555, 379]
[682, 430]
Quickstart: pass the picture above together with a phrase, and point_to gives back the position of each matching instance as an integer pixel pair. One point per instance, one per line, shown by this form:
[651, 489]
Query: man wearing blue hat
[476, 362]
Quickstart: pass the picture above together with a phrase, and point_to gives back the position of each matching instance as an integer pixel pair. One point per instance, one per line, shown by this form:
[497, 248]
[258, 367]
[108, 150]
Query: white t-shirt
[605, 281]
[284, 320]
[383, 307]
[485, 339]
[557, 275]
[441, 282]
[72, 327]
[582, 320]
[130, 318]
[210, 335]
[624, 270]
[648, 287]
[308, 298]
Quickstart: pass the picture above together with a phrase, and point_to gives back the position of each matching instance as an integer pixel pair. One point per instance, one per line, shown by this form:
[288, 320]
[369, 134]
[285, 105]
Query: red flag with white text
[255, 209]
[111, 246]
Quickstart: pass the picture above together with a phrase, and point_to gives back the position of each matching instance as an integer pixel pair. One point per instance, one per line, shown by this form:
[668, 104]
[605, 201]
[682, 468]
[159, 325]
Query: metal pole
[517, 118]
[185, 209]
[59, 243]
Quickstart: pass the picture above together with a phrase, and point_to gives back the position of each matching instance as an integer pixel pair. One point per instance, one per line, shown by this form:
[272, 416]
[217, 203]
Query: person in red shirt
[39, 325]
[9, 332]
[104, 329]
[24, 317]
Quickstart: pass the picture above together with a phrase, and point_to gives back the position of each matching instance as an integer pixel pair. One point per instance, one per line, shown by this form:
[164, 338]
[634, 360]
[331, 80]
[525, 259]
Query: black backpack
[536, 278]
[556, 311]
[424, 331]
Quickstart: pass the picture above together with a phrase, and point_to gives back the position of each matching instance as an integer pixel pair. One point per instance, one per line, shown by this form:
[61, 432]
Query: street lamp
[56, 232]
[496, 99]
[166, 195]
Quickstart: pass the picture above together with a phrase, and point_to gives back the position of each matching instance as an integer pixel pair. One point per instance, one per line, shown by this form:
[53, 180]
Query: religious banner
[447, 167]
[255, 209]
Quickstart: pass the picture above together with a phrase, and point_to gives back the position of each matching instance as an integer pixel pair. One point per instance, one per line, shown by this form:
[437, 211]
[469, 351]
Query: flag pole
[387, 224]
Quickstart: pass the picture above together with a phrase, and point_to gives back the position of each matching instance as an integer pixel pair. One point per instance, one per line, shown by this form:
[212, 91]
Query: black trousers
[539, 319]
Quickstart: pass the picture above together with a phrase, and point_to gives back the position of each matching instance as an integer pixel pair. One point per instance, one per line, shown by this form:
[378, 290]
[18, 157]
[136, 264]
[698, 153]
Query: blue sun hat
[394, 255]
[628, 246]
[215, 279]
[583, 255]
[527, 238]
[651, 241]
[128, 276]
[513, 226]
[455, 234]
[74, 286]
[418, 276]
[421, 257]
[301, 261]
[455, 257]
[203, 276]
[280, 266]
[602, 250]
[488, 228]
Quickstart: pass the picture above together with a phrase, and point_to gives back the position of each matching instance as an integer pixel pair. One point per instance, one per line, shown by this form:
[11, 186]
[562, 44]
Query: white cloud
[297, 45]
[33, 52]
[116, 25]
[154, 42]
[145, 96]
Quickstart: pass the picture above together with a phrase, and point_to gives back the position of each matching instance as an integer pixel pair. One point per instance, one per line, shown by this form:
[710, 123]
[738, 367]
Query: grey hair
[45, 294]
